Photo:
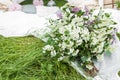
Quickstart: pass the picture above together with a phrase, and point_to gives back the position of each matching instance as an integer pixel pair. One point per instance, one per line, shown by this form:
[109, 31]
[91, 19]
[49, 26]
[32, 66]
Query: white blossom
[63, 46]
[100, 57]
[61, 30]
[75, 53]
[79, 42]
[100, 47]
[89, 67]
[48, 48]
[53, 53]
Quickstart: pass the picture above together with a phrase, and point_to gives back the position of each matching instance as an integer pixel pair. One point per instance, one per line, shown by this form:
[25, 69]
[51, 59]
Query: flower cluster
[79, 35]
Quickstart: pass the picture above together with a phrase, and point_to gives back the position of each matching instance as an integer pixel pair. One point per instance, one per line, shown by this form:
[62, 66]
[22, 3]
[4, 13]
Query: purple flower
[59, 14]
[87, 11]
[114, 36]
[38, 2]
[75, 9]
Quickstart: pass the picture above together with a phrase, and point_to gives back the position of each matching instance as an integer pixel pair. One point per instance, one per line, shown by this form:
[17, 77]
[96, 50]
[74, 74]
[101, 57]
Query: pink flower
[59, 14]
[76, 9]
[15, 7]
[38, 2]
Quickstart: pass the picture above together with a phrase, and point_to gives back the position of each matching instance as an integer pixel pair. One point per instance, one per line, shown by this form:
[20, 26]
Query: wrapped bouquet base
[80, 70]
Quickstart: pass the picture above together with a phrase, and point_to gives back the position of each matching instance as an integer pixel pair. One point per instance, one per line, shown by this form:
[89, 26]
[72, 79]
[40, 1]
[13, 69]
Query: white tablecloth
[18, 23]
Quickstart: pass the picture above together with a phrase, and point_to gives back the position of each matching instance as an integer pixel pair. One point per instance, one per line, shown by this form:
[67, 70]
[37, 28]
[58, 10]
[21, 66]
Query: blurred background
[58, 2]
[107, 3]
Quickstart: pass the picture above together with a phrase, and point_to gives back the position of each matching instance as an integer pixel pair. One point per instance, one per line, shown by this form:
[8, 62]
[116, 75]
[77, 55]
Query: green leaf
[108, 52]
[95, 26]
[84, 58]
[113, 22]
[80, 13]
[66, 59]
[118, 35]
[66, 32]
[107, 15]
[49, 67]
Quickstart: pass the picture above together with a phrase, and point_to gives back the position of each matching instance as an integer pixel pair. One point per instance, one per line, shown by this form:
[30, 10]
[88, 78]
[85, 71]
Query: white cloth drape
[18, 23]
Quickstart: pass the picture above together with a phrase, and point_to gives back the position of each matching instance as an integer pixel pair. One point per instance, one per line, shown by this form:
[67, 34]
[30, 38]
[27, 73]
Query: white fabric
[46, 11]
[21, 24]
[79, 3]
[18, 23]
[110, 66]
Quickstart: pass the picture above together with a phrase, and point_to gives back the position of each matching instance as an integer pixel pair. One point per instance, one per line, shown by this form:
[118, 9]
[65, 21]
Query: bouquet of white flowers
[79, 36]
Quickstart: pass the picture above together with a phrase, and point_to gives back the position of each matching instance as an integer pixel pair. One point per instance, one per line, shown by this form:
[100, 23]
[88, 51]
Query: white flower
[79, 42]
[94, 41]
[100, 57]
[95, 50]
[44, 51]
[77, 21]
[52, 35]
[75, 34]
[89, 67]
[75, 53]
[61, 58]
[68, 10]
[70, 44]
[85, 37]
[71, 50]
[53, 53]
[61, 30]
[48, 48]
[100, 47]
[63, 46]
[89, 59]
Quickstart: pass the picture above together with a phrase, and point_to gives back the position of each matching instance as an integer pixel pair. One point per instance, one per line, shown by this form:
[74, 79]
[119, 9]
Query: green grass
[22, 59]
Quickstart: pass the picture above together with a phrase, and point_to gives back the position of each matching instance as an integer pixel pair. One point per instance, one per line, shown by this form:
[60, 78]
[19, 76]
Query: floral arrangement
[79, 35]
